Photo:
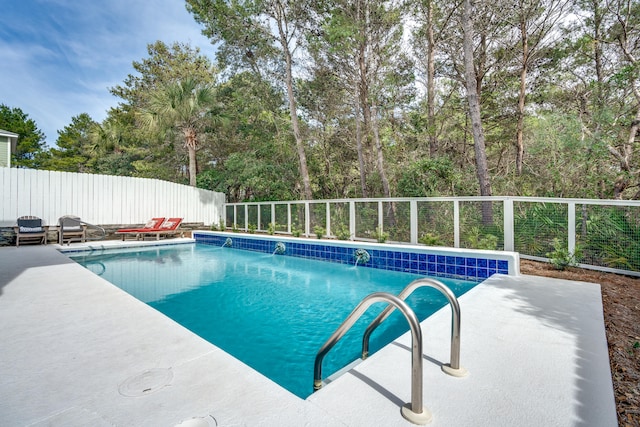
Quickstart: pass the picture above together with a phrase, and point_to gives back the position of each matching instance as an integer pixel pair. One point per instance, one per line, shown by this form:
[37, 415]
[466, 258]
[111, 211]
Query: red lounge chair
[167, 227]
[152, 224]
[170, 226]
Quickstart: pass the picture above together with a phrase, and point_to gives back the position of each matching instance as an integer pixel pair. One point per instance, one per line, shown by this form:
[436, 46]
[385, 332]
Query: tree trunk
[293, 110]
[431, 83]
[521, 97]
[482, 169]
[363, 181]
[361, 102]
[191, 142]
[379, 153]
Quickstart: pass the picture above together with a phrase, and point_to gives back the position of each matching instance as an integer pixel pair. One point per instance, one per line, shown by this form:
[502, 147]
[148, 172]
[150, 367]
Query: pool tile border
[439, 262]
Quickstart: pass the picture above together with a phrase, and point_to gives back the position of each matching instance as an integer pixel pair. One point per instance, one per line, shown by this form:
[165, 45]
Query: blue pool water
[272, 312]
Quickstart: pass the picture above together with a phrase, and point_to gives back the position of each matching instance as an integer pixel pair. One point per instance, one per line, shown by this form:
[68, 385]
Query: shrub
[561, 258]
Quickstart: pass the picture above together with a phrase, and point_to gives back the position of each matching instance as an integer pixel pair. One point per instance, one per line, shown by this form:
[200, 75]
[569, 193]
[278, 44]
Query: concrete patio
[78, 351]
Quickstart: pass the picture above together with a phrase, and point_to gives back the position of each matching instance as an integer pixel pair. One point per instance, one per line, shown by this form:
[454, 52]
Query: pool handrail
[453, 368]
[413, 411]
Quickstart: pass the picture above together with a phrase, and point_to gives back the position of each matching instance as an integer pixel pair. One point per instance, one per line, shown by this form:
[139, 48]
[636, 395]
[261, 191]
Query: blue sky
[59, 57]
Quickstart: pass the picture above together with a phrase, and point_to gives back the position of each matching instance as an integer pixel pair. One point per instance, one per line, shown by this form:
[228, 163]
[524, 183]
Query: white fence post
[456, 223]
[509, 239]
[352, 219]
[413, 208]
[307, 219]
[328, 219]
[571, 225]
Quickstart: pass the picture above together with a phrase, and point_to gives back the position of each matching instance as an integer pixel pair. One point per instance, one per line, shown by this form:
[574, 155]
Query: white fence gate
[101, 199]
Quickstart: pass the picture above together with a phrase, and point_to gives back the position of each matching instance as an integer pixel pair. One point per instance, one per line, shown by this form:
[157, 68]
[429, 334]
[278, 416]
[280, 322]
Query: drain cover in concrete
[208, 421]
[146, 382]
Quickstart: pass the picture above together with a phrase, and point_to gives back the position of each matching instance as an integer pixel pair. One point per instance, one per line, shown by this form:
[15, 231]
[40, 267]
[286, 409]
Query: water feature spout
[361, 255]
[280, 249]
[227, 243]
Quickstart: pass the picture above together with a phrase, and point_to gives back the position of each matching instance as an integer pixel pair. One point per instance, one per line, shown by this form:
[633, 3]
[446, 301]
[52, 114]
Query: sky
[58, 58]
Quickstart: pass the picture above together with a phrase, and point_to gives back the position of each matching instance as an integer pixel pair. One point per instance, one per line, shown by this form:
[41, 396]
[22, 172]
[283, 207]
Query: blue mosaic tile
[472, 268]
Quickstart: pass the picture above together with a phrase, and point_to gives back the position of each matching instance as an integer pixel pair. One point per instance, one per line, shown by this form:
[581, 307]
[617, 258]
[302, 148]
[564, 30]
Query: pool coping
[535, 349]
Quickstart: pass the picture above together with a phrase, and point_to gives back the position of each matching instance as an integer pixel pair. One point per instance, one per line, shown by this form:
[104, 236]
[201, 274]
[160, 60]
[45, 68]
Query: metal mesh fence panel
[481, 225]
[265, 217]
[318, 218]
[239, 218]
[435, 223]
[228, 220]
[537, 225]
[397, 221]
[252, 217]
[608, 236]
[366, 219]
[281, 218]
[340, 220]
[297, 218]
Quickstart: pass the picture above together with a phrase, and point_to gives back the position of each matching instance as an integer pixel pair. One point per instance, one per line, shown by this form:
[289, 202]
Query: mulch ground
[621, 304]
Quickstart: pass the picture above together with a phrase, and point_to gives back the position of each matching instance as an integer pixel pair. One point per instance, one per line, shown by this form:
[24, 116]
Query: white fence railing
[101, 199]
[601, 234]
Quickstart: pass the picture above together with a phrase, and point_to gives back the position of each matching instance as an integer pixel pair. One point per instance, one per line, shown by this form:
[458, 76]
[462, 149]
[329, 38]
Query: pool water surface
[272, 312]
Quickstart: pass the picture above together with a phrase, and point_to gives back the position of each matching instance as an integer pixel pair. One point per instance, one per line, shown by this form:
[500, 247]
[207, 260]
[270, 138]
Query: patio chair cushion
[24, 229]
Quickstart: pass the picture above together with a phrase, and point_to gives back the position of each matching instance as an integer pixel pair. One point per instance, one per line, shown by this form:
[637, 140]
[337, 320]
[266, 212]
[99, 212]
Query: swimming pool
[272, 312]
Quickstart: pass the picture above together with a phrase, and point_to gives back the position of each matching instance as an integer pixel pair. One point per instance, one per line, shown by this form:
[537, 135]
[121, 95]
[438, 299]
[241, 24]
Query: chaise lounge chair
[168, 227]
[152, 224]
[157, 227]
[31, 228]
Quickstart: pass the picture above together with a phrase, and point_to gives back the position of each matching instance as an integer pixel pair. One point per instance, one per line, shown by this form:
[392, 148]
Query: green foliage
[251, 228]
[613, 238]
[537, 225]
[30, 150]
[272, 228]
[381, 236]
[427, 177]
[319, 231]
[561, 258]
[430, 239]
[476, 239]
[295, 231]
[342, 232]
[76, 148]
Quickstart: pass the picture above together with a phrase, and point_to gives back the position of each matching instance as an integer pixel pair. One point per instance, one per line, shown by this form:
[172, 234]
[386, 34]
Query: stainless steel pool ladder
[413, 411]
[453, 368]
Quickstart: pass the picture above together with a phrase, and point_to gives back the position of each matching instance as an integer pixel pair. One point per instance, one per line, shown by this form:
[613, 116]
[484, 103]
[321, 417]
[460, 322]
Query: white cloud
[59, 58]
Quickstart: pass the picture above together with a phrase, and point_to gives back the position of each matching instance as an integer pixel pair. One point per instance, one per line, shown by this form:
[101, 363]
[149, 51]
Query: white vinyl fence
[101, 199]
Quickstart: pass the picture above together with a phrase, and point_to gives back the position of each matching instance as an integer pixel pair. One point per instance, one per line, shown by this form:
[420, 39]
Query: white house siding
[5, 159]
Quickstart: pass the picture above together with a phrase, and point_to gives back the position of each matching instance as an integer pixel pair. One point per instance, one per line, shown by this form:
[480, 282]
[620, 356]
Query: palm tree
[181, 107]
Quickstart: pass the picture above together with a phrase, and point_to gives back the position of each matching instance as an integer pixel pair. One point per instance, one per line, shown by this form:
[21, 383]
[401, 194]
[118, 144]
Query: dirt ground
[621, 303]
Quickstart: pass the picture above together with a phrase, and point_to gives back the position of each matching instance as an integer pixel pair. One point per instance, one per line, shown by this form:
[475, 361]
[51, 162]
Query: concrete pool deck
[76, 351]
